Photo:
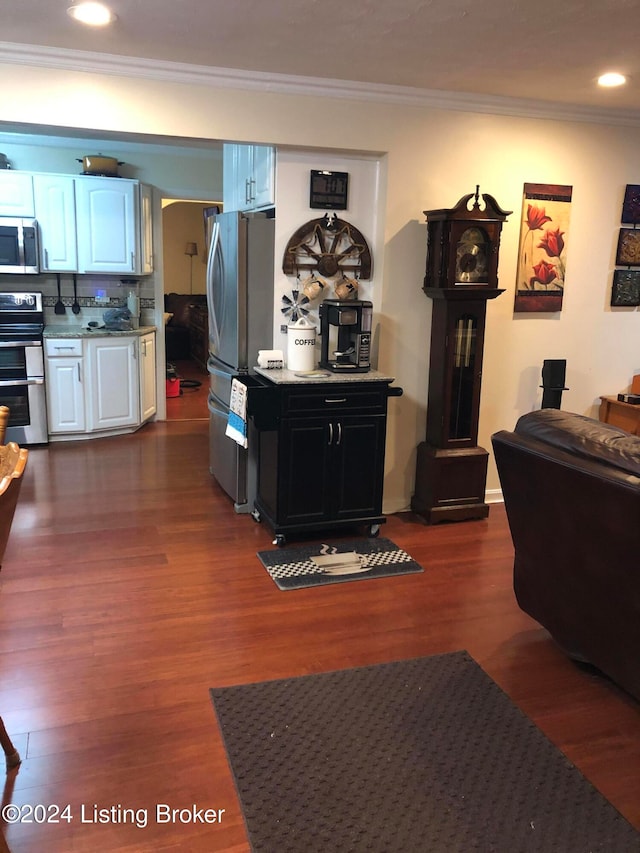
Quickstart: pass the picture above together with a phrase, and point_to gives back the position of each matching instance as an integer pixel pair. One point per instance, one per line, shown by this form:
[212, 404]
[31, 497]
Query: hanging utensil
[76, 305]
[59, 306]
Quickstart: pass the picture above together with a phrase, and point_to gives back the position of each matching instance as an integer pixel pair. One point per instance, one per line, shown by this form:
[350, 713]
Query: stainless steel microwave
[18, 246]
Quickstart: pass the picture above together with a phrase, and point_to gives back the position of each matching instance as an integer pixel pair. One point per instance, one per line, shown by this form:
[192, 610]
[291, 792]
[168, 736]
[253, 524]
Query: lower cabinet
[147, 373]
[331, 469]
[99, 385]
[65, 382]
[320, 455]
[111, 393]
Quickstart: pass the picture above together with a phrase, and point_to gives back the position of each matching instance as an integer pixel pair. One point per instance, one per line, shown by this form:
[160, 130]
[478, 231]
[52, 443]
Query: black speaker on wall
[554, 371]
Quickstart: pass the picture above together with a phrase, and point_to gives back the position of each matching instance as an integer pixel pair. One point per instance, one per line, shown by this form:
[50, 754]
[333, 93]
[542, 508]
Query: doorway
[184, 249]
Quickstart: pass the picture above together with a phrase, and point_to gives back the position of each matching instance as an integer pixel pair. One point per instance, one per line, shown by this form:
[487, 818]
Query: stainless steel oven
[22, 367]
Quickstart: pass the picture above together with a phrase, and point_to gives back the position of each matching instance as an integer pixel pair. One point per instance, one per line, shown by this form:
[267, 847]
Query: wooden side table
[623, 415]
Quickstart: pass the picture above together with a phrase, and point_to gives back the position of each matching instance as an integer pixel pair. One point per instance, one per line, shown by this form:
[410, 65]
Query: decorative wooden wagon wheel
[329, 246]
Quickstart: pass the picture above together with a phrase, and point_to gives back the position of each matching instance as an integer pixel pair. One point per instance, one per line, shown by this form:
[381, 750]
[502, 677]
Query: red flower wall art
[542, 252]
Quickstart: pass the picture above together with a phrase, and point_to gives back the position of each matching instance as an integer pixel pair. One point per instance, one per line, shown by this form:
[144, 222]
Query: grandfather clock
[461, 275]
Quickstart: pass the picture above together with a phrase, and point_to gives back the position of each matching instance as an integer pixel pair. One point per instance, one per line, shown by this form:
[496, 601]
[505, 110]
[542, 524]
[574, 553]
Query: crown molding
[285, 84]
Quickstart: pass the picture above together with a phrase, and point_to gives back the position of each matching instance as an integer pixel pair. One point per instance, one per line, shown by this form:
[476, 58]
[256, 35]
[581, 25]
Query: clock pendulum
[461, 276]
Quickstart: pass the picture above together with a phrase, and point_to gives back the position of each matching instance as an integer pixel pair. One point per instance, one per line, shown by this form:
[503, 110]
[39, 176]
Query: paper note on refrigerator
[237, 422]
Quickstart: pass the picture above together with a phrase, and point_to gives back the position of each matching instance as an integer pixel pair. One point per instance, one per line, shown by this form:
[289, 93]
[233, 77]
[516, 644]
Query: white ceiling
[544, 51]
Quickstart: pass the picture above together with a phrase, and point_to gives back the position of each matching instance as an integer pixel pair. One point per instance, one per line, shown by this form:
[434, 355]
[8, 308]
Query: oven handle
[12, 383]
[20, 344]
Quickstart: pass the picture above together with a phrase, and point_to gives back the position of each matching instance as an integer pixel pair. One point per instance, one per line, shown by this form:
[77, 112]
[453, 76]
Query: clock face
[471, 257]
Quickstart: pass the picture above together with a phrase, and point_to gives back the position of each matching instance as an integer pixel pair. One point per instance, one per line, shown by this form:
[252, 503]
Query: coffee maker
[345, 335]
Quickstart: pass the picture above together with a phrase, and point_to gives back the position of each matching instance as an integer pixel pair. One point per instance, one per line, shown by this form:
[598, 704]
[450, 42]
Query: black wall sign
[328, 190]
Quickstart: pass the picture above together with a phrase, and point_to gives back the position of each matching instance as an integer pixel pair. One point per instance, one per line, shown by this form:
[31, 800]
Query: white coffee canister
[301, 345]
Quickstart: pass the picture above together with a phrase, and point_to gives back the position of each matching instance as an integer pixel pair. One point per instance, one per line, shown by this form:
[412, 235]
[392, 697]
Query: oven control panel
[29, 303]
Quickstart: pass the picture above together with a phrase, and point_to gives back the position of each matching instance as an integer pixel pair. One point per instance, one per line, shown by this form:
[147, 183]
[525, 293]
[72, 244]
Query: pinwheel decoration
[294, 306]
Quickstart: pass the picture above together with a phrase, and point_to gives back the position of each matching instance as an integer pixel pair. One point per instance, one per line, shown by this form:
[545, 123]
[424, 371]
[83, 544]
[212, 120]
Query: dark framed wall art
[628, 252]
[625, 291]
[631, 204]
[625, 288]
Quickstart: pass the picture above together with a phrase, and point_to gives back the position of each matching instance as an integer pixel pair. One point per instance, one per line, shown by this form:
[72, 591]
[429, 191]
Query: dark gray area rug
[343, 560]
[425, 755]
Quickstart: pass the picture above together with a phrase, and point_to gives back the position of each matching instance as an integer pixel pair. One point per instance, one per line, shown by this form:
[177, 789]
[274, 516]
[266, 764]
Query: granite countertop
[69, 331]
[282, 376]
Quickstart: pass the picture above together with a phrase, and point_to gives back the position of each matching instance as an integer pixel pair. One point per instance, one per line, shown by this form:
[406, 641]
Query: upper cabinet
[16, 194]
[146, 229]
[248, 177]
[55, 204]
[86, 224]
[106, 222]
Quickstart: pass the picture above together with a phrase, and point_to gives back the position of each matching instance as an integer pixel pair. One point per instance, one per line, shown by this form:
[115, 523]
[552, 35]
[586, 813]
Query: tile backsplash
[88, 287]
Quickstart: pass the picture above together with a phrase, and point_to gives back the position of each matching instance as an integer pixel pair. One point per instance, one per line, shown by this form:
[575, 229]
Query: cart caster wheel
[255, 515]
[280, 540]
[374, 530]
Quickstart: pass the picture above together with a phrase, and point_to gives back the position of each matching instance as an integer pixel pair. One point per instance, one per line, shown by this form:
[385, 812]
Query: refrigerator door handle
[216, 404]
[214, 365]
[214, 249]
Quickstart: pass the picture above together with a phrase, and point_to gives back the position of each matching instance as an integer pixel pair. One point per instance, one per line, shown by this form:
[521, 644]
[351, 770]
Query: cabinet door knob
[330, 434]
[339, 433]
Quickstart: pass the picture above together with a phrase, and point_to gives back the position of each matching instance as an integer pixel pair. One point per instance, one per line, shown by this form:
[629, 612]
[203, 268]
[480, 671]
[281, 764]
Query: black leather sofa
[571, 488]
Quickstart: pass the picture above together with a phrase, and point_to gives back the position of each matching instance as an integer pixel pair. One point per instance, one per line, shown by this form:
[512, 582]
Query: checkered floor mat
[294, 568]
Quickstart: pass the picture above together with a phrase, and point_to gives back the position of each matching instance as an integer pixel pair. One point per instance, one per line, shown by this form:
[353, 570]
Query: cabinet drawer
[62, 346]
[370, 399]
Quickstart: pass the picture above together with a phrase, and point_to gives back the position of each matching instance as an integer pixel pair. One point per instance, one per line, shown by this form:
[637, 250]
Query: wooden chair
[13, 461]
[11, 754]
[4, 420]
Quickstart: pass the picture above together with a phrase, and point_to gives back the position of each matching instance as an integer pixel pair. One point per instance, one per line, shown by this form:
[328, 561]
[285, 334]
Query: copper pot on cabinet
[98, 164]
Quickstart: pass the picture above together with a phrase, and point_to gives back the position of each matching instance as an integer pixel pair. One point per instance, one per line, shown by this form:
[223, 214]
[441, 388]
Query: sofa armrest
[586, 437]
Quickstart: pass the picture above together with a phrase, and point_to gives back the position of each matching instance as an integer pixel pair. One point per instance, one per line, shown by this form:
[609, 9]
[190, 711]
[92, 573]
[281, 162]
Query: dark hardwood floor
[130, 587]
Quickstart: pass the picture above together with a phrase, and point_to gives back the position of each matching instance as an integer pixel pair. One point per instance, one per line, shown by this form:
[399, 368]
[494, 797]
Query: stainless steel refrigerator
[240, 267]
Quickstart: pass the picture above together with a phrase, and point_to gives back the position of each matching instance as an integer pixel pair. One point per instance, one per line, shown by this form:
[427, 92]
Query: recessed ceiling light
[94, 14]
[611, 78]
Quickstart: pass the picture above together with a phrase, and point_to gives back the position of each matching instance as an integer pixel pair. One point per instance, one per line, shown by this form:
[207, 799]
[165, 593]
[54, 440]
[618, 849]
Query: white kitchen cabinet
[55, 210]
[64, 368]
[248, 177]
[113, 379]
[147, 363]
[102, 385]
[262, 191]
[87, 224]
[146, 229]
[16, 194]
[232, 199]
[107, 225]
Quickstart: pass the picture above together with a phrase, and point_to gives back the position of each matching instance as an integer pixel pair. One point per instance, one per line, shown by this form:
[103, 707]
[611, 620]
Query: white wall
[292, 211]
[433, 157]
